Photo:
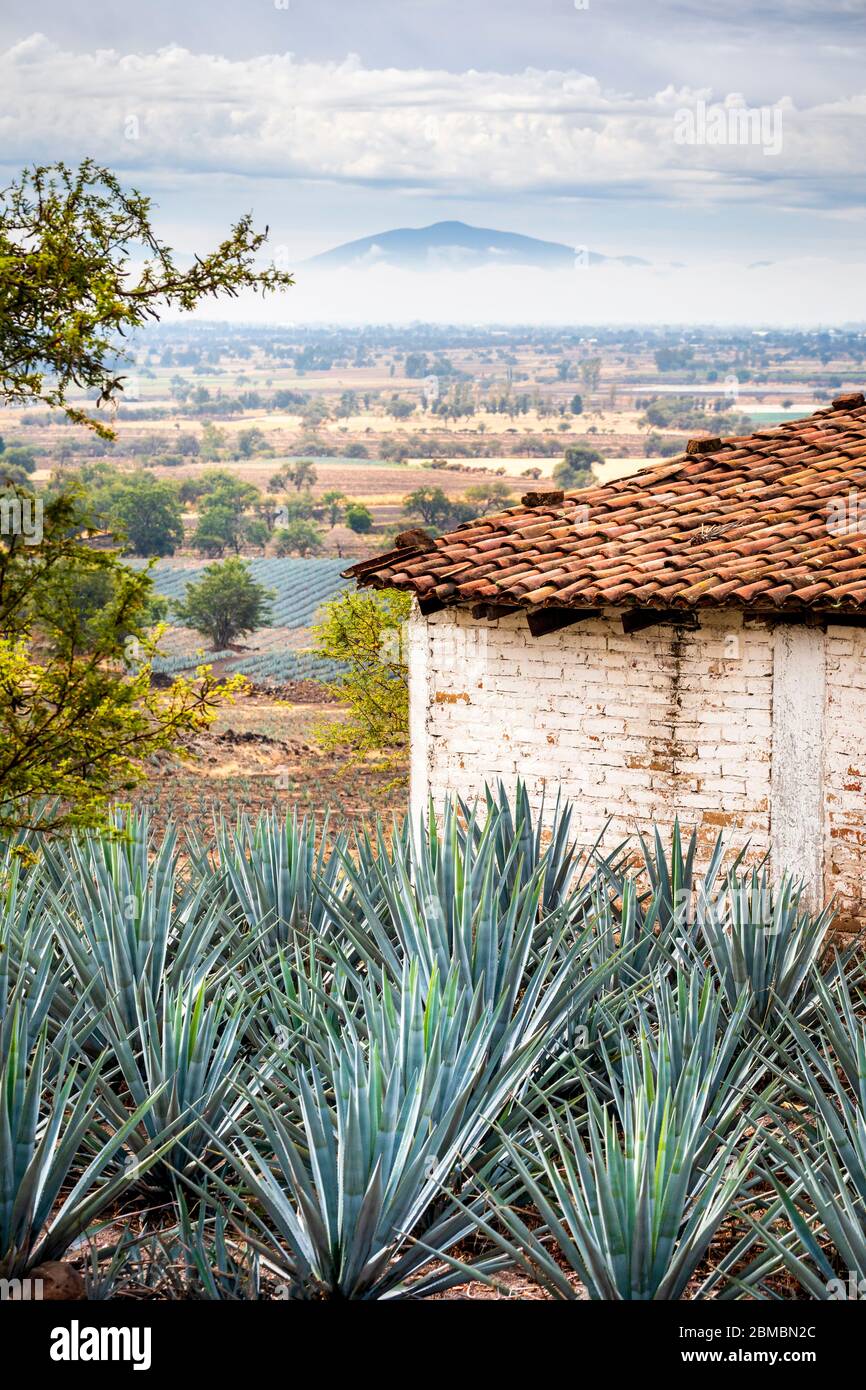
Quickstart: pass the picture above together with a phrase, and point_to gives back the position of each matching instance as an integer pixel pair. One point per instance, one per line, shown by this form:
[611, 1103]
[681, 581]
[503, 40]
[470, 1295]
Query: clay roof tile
[748, 518]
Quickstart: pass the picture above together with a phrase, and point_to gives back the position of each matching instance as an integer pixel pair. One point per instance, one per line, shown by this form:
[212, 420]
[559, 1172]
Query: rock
[60, 1281]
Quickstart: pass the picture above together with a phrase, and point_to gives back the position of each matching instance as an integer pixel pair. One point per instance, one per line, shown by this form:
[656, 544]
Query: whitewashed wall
[845, 774]
[758, 732]
[633, 728]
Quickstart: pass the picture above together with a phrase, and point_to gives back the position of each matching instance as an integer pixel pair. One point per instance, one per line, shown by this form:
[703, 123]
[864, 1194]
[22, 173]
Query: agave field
[284, 1062]
[273, 657]
[263, 667]
[299, 586]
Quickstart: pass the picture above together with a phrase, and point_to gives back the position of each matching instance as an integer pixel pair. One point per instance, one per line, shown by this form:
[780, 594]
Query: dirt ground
[261, 754]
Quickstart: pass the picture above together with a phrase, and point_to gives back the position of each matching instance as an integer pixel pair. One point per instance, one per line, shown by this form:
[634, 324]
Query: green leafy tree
[250, 442]
[81, 267]
[359, 518]
[218, 485]
[302, 507]
[492, 496]
[213, 441]
[590, 373]
[437, 510]
[674, 359]
[314, 413]
[333, 503]
[226, 603]
[86, 594]
[431, 504]
[219, 529]
[301, 474]
[79, 716]
[146, 512]
[576, 405]
[416, 364]
[347, 405]
[365, 631]
[223, 501]
[19, 456]
[575, 470]
[299, 537]
[257, 533]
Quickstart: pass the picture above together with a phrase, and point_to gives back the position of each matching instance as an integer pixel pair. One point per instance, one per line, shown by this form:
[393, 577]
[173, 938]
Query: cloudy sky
[334, 119]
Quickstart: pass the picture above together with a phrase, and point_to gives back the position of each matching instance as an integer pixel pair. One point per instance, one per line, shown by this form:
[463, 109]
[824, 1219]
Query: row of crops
[299, 586]
[265, 668]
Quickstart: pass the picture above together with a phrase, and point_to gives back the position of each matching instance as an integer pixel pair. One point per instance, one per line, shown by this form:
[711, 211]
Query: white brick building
[755, 728]
[689, 641]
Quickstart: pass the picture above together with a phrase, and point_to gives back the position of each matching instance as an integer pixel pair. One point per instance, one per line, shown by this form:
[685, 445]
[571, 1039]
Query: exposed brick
[643, 726]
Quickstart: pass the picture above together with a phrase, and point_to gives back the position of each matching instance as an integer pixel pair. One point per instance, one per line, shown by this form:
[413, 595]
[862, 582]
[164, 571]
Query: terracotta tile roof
[740, 521]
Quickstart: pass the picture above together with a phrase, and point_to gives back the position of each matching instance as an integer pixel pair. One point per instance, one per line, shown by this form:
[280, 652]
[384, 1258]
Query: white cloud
[533, 132]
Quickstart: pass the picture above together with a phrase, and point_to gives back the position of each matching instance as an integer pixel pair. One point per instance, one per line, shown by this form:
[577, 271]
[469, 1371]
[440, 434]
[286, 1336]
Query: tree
[223, 500]
[417, 364]
[301, 474]
[590, 372]
[491, 496]
[17, 462]
[575, 470]
[359, 518]
[364, 630]
[333, 502]
[576, 405]
[302, 507]
[219, 529]
[71, 284]
[221, 485]
[257, 533]
[347, 405]
[225, 603]
[673, 359]
[314, 413]
[213, 441]
[430, 503]
[436, 509]
[286, 400]
[250, 441]
[146, 511]
[79, 715]
[18, 456]
[299, 537]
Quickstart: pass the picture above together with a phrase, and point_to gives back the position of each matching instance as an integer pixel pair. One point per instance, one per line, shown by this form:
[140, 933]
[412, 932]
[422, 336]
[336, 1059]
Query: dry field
[261, 754]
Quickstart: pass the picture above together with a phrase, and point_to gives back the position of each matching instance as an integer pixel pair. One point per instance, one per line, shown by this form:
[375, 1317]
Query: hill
[457, 246]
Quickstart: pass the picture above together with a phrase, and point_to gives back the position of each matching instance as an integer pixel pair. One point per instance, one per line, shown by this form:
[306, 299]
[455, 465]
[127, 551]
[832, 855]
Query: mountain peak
[451, 245]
